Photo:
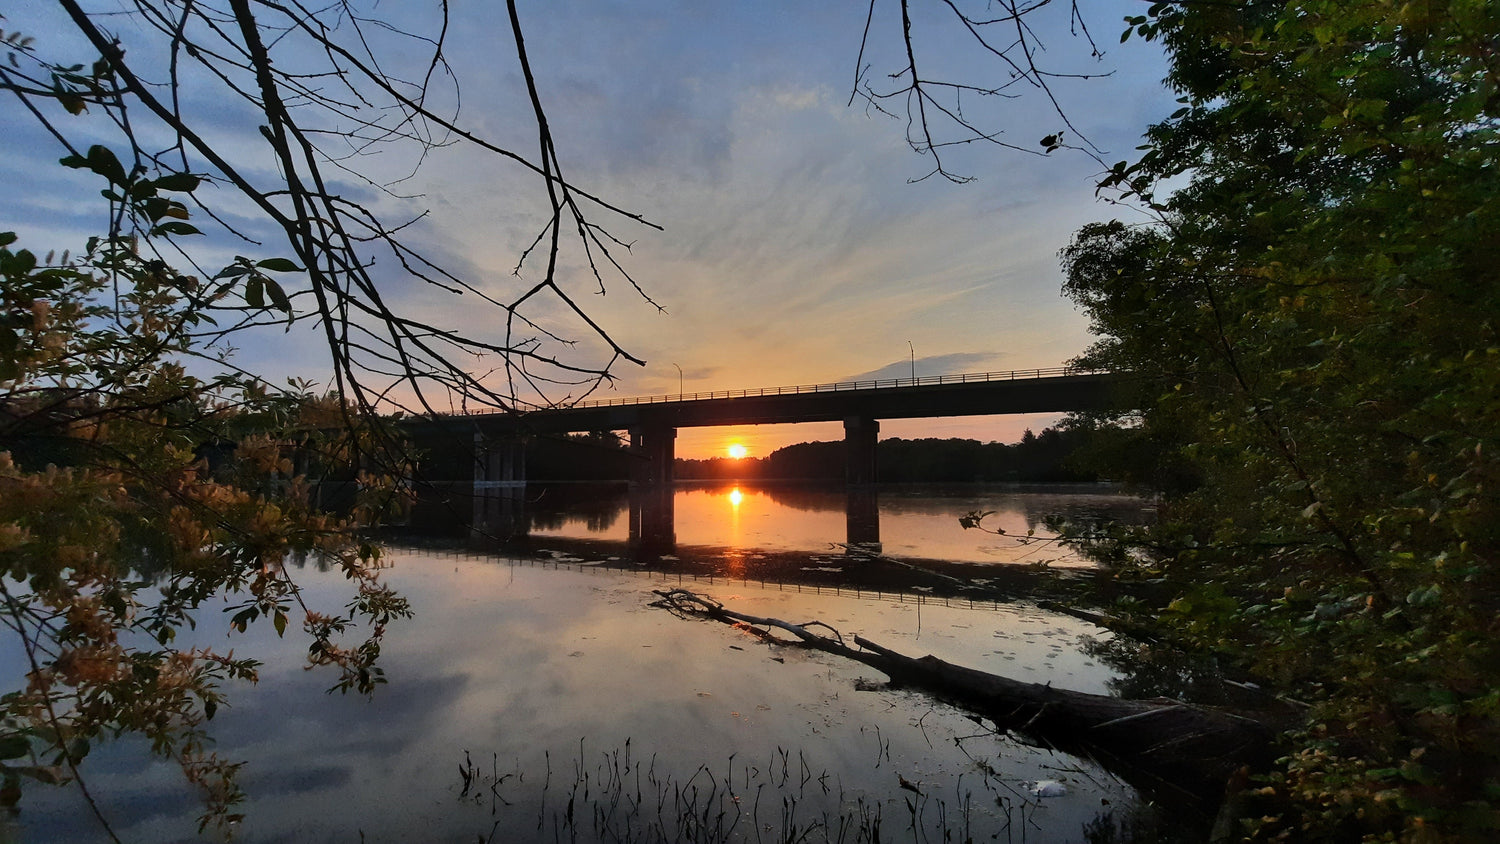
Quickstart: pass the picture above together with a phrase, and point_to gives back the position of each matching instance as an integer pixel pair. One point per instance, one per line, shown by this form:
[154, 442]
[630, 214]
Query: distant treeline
[1043, 457]
[1035, 458]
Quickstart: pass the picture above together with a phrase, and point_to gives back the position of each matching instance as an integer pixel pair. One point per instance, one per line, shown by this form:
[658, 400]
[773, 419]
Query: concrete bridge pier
[499, 487]
[860, 436]
[657, 446]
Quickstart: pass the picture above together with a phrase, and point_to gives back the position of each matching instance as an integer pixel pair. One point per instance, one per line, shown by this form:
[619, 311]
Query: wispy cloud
[957, 363]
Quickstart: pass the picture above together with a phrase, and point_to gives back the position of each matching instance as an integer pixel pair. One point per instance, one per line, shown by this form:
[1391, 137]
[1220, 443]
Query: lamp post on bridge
[679, 382]
[913, 362]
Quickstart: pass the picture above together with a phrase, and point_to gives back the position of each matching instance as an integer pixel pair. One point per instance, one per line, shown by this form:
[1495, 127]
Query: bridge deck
[1029, 391]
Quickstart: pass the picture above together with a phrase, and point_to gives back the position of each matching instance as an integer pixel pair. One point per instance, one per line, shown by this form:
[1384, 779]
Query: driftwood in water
[1154, 743]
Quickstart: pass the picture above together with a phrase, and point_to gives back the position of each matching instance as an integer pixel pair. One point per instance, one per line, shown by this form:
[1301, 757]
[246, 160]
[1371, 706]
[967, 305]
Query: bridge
[653, 420]
[493, 443]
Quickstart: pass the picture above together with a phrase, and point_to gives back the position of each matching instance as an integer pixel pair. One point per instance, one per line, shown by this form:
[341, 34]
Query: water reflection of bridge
[479, 460]
[652, 515]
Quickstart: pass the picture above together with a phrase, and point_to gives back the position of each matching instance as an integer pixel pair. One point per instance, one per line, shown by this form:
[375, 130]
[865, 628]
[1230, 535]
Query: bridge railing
[840, 386]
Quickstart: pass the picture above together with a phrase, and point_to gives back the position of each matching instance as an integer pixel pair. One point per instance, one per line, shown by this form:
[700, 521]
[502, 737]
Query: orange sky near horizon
[761, 440]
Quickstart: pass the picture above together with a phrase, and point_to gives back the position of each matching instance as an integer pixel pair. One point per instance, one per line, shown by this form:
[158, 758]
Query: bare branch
[318, 134]
[933, 107]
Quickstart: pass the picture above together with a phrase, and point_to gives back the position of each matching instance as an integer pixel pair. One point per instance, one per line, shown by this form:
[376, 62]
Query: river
[540, 697]
[909, 521]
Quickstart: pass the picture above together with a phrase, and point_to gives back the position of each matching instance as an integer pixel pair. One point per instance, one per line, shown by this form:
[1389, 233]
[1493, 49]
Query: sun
[738, 450]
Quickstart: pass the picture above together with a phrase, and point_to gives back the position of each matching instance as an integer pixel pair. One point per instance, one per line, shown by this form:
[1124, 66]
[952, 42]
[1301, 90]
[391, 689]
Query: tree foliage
[1036, 458]
[116, 526]
[1313, 320]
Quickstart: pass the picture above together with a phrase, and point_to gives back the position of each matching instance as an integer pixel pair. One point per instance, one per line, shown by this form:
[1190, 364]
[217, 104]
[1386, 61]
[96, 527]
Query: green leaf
[1421, 597]
[185, 182]
[9, 341]
[175, 227]
[278, 296]
[14, 746]
[255, 293]
[102, 161]
[243, 618]
[279, 622]
[279, 265]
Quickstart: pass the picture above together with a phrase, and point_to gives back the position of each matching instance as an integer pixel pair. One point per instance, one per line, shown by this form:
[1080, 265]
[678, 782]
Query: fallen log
[1159, 745]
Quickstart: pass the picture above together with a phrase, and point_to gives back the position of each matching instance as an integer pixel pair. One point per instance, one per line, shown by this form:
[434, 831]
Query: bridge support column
[860, 436]
[653, 528]
[658, 445]
[499, 487]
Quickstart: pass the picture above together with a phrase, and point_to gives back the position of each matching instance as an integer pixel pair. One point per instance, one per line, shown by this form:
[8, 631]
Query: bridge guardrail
[838, 386]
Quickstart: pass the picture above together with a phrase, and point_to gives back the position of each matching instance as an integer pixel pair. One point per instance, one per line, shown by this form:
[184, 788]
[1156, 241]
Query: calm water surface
[554, 684]
[915, 521]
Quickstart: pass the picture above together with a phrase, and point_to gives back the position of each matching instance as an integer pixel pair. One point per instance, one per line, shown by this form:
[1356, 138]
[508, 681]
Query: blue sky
[795, 249]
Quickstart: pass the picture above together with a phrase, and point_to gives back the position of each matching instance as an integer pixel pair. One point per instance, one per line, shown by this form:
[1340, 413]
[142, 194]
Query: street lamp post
[913, 362]
[679, 382]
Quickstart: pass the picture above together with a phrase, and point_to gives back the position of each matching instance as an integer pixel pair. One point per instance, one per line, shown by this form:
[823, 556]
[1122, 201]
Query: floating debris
[1048, 788]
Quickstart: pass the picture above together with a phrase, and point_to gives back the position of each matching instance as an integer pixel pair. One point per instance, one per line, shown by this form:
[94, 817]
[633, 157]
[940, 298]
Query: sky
[794, 247]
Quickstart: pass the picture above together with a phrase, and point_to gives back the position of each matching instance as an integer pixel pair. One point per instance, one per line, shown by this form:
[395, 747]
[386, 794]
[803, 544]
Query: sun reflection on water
[914, 522]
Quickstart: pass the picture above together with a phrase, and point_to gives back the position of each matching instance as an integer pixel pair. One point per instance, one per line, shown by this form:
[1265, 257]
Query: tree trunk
[1162, 746]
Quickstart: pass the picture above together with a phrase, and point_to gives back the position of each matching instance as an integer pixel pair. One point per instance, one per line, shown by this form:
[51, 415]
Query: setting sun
[738, 450]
